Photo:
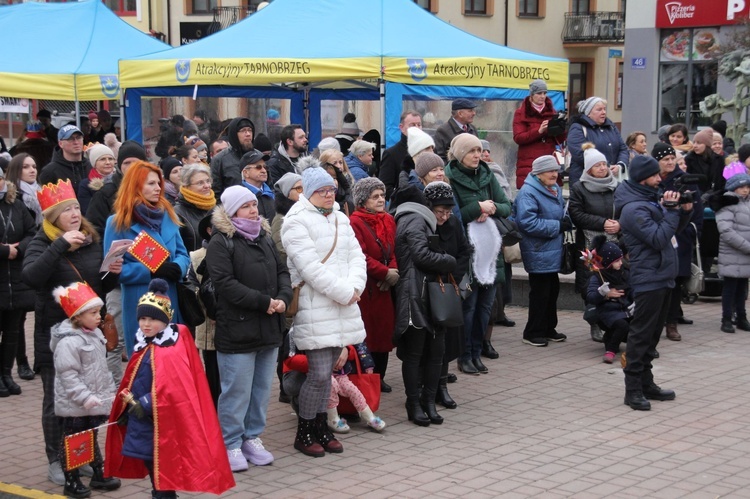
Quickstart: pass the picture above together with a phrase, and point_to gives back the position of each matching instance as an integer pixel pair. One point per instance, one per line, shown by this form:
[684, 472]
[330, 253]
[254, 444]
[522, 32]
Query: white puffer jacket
[324, 319]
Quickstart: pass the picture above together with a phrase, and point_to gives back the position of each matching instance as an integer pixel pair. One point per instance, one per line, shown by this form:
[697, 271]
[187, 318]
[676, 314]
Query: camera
[557, 125]
[681, 185]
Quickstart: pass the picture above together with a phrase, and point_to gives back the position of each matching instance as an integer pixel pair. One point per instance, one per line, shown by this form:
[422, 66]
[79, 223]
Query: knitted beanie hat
[544, 164]
[537, 86]
[168, 164]
[591, 156]
[586, 106]
[426, 162]
[417, 140]
[661, 150]
[155, 303]
[329, 143]
[737, 181]
[462, 144]
[130, 149]
[364, 189]
[314, 178]
[98, 151]
[235, 196]
[705, 137]
[643, 167]
[286, 182]
[439, 194]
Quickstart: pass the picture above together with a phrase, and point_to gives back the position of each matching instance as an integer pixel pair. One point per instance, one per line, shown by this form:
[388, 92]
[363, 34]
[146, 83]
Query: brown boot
[672, 333]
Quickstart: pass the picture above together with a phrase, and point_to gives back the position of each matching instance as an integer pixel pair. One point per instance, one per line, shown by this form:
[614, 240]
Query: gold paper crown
[54, 194]
[77, 298]
[161, 302]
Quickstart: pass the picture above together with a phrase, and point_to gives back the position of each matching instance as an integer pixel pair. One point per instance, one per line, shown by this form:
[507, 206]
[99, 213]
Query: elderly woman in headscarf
[592, 125]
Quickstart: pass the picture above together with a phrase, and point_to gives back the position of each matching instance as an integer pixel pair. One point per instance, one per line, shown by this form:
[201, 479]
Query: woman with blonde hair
[333, 162]
[141, 207]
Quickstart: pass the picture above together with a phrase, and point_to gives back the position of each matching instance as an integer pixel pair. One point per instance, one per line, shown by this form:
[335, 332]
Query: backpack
[207, 291]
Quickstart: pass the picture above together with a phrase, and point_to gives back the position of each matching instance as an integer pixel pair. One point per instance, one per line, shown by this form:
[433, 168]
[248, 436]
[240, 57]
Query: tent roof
[301, 41]
[78, 61]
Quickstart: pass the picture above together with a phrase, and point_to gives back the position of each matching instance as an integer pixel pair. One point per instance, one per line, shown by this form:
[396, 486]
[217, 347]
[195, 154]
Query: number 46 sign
[638, 63]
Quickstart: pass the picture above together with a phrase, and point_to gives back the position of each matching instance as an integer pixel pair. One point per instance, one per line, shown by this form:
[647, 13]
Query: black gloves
[137, 410]
[169, 271]
[565, 224]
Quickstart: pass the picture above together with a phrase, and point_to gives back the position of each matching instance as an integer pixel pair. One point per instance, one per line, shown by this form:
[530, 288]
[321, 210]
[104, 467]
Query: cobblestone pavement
[545, 422]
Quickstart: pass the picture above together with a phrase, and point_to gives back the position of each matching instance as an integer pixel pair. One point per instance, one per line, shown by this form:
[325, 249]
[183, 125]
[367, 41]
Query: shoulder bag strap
[74, 268]
[335, 239]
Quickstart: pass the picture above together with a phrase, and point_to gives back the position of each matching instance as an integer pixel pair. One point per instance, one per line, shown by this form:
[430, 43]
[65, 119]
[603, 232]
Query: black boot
[11, 385]
[100, 482]
[415, 413]
[3, 389]
[488, 350]
[163, 494]
[324, 436]
[73, 486]
[25, 372]
[305, 441]
[636, 400]
[742, 322]
[443, 397]
[726, 325]
[427, 402]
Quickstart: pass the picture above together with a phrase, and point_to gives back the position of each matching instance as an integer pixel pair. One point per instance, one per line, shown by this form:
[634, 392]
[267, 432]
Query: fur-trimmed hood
[223, 223]
[11, 193]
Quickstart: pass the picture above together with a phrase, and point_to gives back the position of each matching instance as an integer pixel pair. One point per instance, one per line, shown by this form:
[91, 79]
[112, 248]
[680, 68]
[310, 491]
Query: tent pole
[383, 121]
[306, 109]
[123, 123]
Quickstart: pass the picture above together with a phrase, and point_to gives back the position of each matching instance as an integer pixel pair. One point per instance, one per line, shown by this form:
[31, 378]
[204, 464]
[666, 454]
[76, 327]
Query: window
[475, 6]
[577, 83]
[121, 7]
[528, 8]
[618, 86]
[202, 6]
[580, 7]
[425, 4]
[686, 77]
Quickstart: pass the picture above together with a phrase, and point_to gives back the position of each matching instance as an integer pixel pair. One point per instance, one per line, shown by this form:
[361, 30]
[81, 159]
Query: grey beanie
[586, 106]
[591, 157]
[485, 145]
[439, 194]
[313, 178]
[364, 189]
[544, 164]
[426, 162]
[234, 197]
[286, 182]
[737, 181]
[537, 86]
[642, 167]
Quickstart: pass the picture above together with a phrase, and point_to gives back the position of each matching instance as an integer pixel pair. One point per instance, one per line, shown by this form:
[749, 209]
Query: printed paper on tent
[148, 251]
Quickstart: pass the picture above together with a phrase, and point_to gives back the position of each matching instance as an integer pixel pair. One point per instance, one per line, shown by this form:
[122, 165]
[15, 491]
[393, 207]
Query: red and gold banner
[148, 251]
[79, 449]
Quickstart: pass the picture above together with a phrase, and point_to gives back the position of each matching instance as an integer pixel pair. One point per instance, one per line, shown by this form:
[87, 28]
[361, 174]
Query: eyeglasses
[75, 138]
[202, 183]
[330, 191]
[255, 167]
[442, 213]
[298, 189]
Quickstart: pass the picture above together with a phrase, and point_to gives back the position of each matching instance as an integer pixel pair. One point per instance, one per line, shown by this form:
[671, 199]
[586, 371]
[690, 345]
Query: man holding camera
[649, 224]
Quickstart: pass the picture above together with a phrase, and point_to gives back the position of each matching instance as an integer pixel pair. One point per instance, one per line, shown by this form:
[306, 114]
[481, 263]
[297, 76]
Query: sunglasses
[255, 167]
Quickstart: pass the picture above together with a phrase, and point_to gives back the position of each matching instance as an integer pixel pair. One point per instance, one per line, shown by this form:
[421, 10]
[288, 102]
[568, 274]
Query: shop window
[686, 75]
[121, 7]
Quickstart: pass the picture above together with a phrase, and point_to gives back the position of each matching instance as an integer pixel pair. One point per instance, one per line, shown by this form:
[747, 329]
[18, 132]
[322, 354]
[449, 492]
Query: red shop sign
[693, 13]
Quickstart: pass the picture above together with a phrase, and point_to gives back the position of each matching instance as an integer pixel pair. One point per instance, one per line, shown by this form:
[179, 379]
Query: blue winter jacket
[607, 139]
[358, 169]
[539, 213]
[648, 232]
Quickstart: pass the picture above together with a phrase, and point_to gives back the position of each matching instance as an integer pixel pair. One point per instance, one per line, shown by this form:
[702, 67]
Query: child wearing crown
[167, 425]
[84, 387]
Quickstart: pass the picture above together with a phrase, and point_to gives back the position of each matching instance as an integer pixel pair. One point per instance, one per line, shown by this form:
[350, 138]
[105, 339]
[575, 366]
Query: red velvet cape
[189, 452]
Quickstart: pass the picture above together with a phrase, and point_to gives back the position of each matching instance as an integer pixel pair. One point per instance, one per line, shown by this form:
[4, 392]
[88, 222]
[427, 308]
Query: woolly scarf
[538, 108]
[593, 184]
[95, 174]
[324, 211]
[487, 242]
[170, 190]
[28, 194]
[249, 229]
[150, 217]
[200, 201]
[377, 222]
[52, 232]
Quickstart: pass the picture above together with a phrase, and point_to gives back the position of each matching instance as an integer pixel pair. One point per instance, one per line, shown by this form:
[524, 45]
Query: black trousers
[543, 291]
[10, 320]
[72, 425]
[675, 301]
[212, 375]
[381, 362]
[616, 335]
[645, 329]
[422, 356]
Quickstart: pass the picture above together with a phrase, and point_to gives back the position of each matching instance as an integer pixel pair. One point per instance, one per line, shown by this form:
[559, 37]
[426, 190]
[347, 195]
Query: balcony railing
[224, 17]
[594, 27]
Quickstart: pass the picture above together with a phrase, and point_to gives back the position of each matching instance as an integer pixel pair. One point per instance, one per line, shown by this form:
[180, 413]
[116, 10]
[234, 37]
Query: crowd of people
[317, 266]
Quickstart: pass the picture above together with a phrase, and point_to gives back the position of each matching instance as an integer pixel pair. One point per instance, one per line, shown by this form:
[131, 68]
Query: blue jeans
[245, 390]
[477, 311]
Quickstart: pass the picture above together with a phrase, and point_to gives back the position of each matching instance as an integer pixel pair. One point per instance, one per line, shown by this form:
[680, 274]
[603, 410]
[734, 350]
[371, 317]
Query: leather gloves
[169, 271]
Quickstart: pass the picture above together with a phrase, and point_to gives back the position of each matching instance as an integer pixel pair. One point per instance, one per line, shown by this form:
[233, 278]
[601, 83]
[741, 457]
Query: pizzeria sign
[693, 13]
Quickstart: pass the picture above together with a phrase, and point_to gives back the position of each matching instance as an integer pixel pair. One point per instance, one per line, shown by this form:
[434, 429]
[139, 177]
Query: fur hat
[537, 86]
[329, 143]
[737, 181]
[284, 185]
[591, 156]
[608, 251]
[462, 144]
[130, 149]
[439, 194]
[705, 137]
[364, 189]
[586, 106]
[426, 162]
[314, 178]
[155, 303]
[168, 164]
[661, 150]
[98, 151]
[642, 167]
[544, 164]
[235, 196]
[417, 140]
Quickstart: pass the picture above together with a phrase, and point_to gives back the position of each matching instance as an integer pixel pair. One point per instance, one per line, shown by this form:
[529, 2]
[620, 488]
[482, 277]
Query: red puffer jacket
[532, 144]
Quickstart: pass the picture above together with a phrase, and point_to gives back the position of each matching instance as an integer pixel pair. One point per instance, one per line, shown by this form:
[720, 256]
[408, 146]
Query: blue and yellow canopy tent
[76, 61]
[388, 50]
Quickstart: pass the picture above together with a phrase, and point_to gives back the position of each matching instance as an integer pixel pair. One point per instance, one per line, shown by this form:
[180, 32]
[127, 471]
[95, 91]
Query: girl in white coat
[326, 260]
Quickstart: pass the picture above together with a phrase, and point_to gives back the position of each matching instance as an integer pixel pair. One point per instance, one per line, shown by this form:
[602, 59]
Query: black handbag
[464, 287]
[190, 307]
[508, 230]
[446, 307]
[570, 253]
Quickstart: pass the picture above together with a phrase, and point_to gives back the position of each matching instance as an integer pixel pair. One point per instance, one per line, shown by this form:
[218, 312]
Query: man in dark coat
[292, 147]
[225, 166]
[49, 130]
[68, 162]
[462, 117]
[395, 156]
[649, 225]
[254, 177]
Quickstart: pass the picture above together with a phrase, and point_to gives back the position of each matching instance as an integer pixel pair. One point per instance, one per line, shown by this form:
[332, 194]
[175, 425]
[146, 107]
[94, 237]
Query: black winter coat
[711, 166]
[100, 206]
[16, 226]
[392, 165]
[687, 236]
[47, 265]
[190, 216]
[62, 169]
[417, 264]
[246, 279]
